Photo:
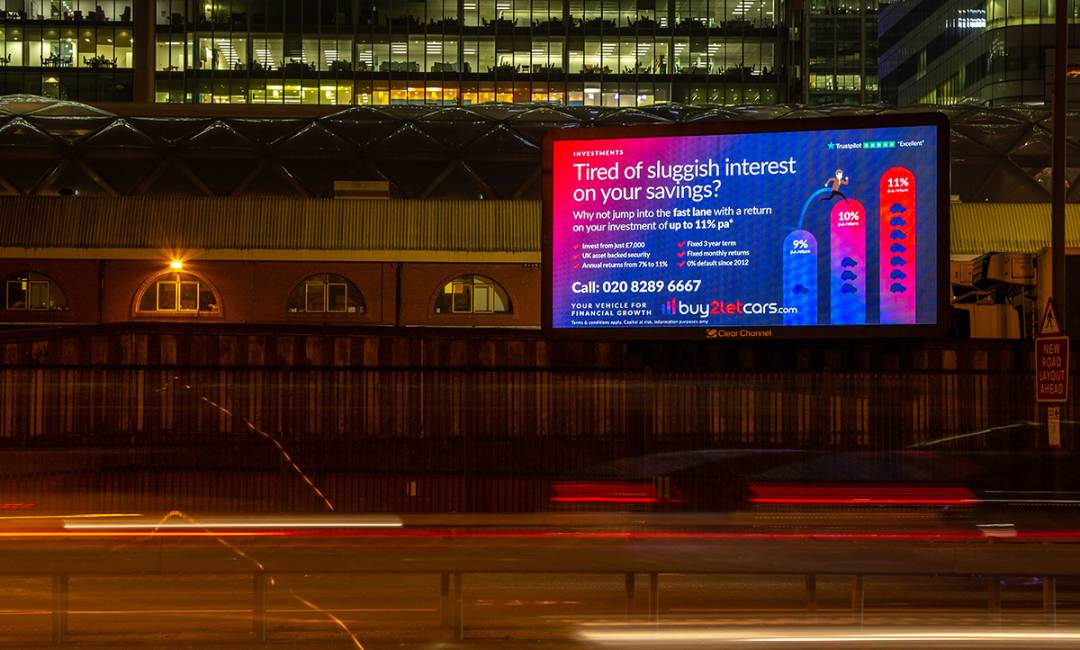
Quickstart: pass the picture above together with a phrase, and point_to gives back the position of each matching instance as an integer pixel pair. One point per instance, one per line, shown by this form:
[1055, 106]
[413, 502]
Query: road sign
[1052, 368]
[1051, 358]
[1050, 324]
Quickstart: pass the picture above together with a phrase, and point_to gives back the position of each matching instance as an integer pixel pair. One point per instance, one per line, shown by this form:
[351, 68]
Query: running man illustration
[835, 183]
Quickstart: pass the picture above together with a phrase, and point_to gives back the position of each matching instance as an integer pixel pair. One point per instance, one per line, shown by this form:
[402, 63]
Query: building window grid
[473, 294]
[330, 297]
[530, 46]
[30, 295]
[326, 293]
[178, 293]
[992, 55]
[1012, 13]
[76, 49]
[31, 291]
[845, 71]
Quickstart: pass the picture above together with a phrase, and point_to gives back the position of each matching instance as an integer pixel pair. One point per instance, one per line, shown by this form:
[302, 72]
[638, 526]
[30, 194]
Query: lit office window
[442, 52]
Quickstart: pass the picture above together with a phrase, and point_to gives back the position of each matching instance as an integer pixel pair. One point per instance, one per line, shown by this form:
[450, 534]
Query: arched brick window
[473, 294]
[32, 291]
[178, 293]
[325, 293]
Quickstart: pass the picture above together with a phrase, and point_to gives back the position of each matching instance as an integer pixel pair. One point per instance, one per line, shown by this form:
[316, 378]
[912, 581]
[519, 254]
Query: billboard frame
[753, 333]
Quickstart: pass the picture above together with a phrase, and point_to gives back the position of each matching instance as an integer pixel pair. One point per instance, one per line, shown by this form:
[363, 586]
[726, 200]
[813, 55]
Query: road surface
[547, 581]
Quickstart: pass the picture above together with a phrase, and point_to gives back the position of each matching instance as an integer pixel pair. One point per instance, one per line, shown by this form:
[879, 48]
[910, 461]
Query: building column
[670, 71]
[143, 35]
[459, 63]
[862, 54]
[804, 43]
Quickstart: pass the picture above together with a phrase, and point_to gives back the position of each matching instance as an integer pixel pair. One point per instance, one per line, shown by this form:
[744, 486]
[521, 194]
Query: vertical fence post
[446, 605]
[654, 597]
[858, 598]
[811, 594]
[283, 486]
[60, 608]
[995, 598]
[459, 607]
[258, 606]
[630, 586]
[1050, 599]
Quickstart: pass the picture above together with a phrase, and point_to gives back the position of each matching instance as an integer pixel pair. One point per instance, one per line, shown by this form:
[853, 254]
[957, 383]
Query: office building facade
[68, 49]
[381, 52]
[840, 51]
[446, 52]
[992, 52]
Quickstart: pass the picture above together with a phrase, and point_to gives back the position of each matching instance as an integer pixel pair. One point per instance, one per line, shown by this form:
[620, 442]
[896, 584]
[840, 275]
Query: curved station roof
[485, 151]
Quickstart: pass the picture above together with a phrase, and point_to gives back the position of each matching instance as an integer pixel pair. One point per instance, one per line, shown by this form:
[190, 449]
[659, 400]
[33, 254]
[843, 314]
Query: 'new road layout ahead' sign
[1051, 360]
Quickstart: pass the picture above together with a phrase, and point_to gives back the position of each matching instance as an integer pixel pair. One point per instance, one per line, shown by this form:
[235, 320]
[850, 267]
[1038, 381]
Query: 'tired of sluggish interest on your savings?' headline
[694, 182]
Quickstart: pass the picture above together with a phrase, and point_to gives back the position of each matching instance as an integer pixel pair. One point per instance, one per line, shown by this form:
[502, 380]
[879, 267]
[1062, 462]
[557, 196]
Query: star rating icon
[832, 145]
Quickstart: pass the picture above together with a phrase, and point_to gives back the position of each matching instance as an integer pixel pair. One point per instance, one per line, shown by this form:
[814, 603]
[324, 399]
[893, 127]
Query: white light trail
[652, 637]
[330, 523]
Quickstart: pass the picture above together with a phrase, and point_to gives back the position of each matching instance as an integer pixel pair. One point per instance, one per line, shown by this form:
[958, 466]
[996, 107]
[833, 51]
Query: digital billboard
[816, 227]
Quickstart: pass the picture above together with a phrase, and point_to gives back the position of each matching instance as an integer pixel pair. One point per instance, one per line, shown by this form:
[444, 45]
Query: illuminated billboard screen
[768, 229]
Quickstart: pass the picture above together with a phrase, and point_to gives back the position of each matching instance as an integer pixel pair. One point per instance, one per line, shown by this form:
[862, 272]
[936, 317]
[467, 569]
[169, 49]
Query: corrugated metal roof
[269, 224]
[1008, 227]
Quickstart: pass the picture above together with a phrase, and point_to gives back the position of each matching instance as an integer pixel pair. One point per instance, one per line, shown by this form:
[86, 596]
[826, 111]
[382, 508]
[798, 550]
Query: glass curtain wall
[459, 52]
[842, 48]
[972, 51]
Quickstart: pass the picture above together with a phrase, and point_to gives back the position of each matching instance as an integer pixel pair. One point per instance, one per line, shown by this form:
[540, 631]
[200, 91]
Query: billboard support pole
[1057, 205]
[1057, 208]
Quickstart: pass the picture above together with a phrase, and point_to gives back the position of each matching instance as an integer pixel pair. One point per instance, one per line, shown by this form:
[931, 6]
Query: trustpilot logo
[676, 307]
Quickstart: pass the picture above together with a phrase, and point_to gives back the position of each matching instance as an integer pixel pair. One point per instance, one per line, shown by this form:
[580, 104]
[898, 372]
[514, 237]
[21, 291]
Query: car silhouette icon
[848, 288]
[897, 274]
[897, 248]
[848, 275]
[896, 287]
[799, 289]
[896, 207]
[897, 221]
[847, 261]
[897, 261]
[896, 234]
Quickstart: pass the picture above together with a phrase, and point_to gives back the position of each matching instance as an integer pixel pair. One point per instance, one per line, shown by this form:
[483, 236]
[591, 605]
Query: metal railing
[452, 590]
